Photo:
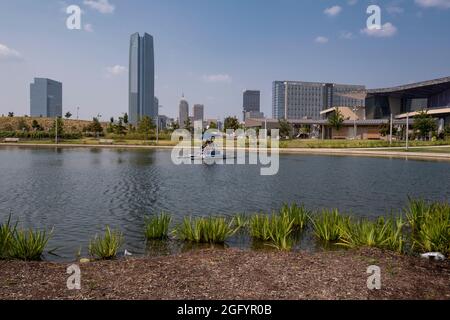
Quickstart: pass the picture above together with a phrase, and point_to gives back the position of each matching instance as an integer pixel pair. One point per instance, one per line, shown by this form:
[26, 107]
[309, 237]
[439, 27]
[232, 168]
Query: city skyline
[201, 58]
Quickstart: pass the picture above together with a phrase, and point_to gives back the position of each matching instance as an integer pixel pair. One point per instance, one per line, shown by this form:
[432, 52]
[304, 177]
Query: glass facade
[141, 78]
[251, 101]
[300, 100]
[46, 98]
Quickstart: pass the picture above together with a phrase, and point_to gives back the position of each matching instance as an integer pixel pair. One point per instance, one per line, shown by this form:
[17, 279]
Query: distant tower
[251, 101]
[45, 98]
[184, 112]
[141, 78]
[199, 112]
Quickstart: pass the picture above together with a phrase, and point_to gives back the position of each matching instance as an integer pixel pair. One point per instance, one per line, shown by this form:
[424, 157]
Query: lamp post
[407, 131]
[390, 131]
[56, 130]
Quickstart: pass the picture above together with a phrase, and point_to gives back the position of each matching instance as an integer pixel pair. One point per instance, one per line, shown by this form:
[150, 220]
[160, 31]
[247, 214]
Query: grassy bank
[285, 144]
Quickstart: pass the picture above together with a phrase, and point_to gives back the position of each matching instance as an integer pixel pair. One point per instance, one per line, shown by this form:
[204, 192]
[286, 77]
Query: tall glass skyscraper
[142, 78]
[45, 98]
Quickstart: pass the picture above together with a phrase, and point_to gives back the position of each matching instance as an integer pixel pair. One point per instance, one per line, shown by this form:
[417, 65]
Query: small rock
[433, 255]
[84, 260]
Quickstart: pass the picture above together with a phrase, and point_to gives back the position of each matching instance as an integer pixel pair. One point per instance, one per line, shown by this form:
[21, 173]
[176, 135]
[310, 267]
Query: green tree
[285, 128]
[231, 123]
[336, 120]
[95, 127]
[187, 124]
[68, 115]
[145, 125]
[212, 125]
[174, 126]
[10, 114]
[424, 124]
[119, 128]
[22, 125]
[57, 124]
[125, 118]
[36, 126]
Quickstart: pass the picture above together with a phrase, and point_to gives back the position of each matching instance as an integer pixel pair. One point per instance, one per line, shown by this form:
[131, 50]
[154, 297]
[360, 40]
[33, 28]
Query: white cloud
[352, 2]
[347, 35]
[333, 11]
[442, 4]
[321, 40]
[217, 78]
[88, 27]
[394, 10]
[102, 6]
[7, 53]
[387, 30]
[116, 70]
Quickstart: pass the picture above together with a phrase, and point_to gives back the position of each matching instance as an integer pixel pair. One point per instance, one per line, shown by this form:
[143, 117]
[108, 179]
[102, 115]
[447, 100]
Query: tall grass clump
[382, 233]
[213, 230]
[281, 228]
[6, 237]
[275, 229]
[105, 247]
[260, 225]
[28, 245]
[329, 224]
[299, 215]
[430, 223]
[240, 221]
[157, 228]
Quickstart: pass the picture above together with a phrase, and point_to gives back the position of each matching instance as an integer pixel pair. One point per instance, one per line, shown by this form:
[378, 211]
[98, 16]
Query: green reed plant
[276, 229]
[260, 225]
[382, 233]
[416, 212]
[431, 231]
[299, 215]
[105, 247]
[157, 227]
[240, 221]
[28, 245]
[329, 224]
[213, 230]
[6, 236]
[281, 228]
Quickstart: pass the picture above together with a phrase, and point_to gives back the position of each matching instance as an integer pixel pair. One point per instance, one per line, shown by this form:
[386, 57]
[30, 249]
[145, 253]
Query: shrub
[382, 233]
[6, 237]
[328, 225]
[28, 245]
[205, 230]
[299, 215]
[430, 225]
[106, 247]
[157, 228]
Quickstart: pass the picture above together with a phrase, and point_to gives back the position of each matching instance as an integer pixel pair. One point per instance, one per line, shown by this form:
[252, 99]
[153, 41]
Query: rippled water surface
[79, 191]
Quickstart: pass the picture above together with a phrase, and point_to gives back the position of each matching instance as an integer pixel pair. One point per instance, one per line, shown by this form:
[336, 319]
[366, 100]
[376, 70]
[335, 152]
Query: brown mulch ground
[233, 274]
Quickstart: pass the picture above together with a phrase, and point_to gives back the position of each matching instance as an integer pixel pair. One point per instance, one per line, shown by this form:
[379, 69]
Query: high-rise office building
[183, 113]
[300, 100]
[141, 78]
[45, 98]
[199, 112]
[251, 101]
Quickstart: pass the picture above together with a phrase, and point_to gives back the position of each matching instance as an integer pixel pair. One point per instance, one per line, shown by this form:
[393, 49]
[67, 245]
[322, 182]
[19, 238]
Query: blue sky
[214, 49]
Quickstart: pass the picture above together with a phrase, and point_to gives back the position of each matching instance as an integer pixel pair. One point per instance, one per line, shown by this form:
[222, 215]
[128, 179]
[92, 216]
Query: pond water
[80, 191]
